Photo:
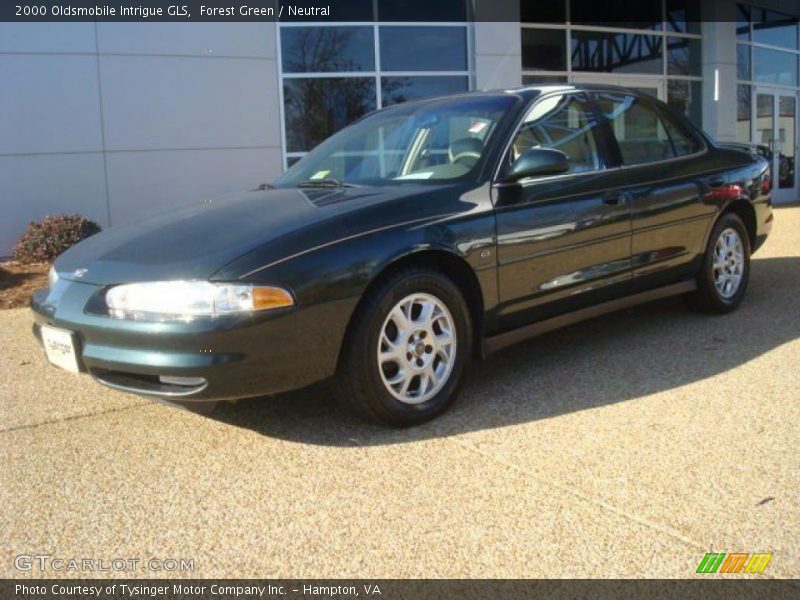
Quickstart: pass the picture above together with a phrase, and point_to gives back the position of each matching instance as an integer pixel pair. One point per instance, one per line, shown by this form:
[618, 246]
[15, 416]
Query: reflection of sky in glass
[774, 66]
[775, 30]
[434, 48]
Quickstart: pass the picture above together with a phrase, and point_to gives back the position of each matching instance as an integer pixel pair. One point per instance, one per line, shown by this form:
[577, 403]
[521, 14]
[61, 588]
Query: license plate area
[61, 348]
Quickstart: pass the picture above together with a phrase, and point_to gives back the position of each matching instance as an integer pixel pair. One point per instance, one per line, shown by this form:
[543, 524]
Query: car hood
[195, 241]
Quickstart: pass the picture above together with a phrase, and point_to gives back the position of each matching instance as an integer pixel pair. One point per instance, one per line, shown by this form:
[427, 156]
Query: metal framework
[618, 49]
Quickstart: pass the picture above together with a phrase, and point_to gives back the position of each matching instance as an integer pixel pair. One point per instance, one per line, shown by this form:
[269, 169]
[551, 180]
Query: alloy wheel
[728, 263]
[416, 348]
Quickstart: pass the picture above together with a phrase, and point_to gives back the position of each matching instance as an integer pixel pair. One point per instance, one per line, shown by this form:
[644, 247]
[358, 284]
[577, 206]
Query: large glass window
[685, 96]
[786, 141]
[565, 123]
[744, 111]
[742, 22]
[774, 66]
[640, 134]
[683, 56]
[774, 29]
[683, 16]
[334, 74]
[765, 112]
[767, 70]
[434, 48]
[395, 90]
[663, 58]
[743, 67]
[327, 49]
[768, 53]
[544, 49]
[613, 52]
[318, 107]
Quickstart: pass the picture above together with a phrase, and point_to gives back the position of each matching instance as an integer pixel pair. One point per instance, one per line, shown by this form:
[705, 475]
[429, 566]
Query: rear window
[645, 134]
[683, 138]
[640, 133]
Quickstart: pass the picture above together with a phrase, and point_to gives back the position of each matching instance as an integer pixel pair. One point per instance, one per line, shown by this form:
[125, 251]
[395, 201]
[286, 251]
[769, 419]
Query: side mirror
[536, 162]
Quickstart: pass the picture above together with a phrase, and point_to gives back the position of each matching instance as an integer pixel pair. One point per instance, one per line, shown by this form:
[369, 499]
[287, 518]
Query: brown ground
[19, 281]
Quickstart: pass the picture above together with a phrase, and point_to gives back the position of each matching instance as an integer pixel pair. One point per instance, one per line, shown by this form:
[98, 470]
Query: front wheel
[722, 279]
[403, 359]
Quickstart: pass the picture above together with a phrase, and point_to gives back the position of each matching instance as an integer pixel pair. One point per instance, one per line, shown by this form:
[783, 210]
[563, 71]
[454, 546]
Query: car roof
[529, 91]
[525, 93]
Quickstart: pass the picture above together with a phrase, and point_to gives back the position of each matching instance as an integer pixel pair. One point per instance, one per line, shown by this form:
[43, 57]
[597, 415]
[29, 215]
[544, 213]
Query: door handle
[716, 182]
[614, 198]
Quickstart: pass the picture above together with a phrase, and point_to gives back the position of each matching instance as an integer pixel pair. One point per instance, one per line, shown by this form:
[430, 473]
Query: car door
[563, 241]
[665, 177]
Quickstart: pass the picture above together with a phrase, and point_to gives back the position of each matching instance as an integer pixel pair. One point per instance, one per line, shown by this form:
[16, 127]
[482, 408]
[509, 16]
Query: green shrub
[44, 240]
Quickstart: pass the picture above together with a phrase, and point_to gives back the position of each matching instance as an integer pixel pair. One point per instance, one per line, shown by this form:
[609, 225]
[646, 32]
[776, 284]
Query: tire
[723, 277]
[380, 357]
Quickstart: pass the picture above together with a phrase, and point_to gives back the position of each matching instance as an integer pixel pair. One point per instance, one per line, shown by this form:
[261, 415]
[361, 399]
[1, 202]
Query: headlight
[189, 299]
[52, 277]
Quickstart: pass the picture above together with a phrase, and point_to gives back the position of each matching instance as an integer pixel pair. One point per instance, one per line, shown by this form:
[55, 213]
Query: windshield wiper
[328, 182]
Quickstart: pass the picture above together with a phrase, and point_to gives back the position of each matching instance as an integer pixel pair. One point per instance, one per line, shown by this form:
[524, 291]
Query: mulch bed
[18, 282]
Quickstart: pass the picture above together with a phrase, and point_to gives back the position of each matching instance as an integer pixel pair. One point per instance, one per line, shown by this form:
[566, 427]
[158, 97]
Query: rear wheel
[403, 359]
[722, 280]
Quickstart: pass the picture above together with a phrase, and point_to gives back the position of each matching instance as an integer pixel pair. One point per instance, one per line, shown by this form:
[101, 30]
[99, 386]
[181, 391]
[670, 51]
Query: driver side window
[563, 122]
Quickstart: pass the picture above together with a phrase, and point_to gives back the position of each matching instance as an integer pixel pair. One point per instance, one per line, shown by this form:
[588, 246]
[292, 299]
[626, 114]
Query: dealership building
[117, 120]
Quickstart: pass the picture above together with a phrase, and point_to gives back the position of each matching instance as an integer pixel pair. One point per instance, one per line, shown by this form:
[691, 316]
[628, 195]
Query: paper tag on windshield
[320, 175]
[420, 175]
[478, 127]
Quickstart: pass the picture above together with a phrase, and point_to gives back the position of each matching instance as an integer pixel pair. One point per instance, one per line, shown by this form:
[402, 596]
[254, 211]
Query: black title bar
[640, 14]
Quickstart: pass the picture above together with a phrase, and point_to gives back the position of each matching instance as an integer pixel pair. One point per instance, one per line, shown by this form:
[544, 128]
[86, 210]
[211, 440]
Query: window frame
[603, 147]
[667, 113]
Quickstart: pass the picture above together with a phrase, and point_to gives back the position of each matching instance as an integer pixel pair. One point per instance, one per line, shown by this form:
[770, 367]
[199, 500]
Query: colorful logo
[737, 562]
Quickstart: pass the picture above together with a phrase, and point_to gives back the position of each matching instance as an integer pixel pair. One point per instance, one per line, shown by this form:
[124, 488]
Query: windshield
[435, 141]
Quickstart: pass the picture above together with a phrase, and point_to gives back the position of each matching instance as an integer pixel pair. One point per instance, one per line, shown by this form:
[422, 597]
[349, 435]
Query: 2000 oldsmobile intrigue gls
[420, 237]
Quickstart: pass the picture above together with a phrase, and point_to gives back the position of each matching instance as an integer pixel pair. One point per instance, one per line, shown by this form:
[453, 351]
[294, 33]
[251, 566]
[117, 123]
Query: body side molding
[503, 340]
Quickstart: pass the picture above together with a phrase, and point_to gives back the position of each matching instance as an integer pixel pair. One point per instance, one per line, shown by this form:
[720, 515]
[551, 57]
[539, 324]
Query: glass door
[775, 130]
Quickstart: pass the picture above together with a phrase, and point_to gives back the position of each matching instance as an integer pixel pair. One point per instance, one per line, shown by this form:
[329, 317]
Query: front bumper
[224, 358]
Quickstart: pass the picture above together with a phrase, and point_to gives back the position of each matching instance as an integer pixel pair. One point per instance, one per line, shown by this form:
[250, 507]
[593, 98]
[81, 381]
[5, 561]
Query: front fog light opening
[181, 381]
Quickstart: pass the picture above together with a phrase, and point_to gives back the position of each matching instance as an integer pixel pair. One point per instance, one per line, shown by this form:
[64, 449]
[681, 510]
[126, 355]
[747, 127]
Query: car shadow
[645, 350]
